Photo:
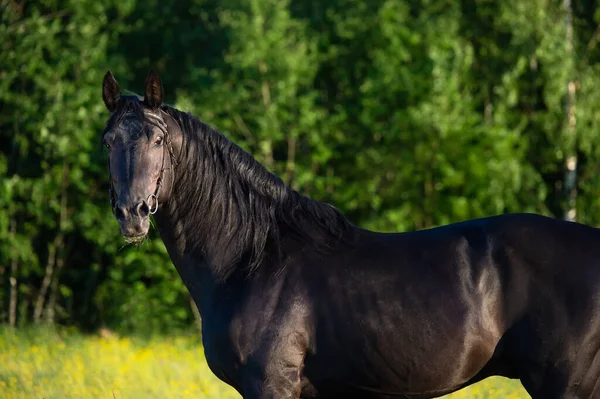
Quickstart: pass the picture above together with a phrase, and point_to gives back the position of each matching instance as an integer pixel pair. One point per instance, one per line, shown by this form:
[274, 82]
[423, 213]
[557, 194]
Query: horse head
[139, 136]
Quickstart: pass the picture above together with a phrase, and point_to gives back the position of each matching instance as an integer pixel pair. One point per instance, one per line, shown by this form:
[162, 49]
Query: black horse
[298, 302]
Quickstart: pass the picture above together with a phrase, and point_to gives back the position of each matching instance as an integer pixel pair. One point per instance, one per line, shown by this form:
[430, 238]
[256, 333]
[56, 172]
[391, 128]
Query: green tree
[56, 230]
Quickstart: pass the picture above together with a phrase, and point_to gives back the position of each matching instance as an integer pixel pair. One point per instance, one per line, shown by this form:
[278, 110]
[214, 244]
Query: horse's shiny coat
[297, 302]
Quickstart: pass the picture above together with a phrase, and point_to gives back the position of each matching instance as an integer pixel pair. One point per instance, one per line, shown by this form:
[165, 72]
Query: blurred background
[403, 114]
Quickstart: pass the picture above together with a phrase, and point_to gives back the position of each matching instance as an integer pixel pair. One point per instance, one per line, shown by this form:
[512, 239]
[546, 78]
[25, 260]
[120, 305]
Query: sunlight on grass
[491, 388]
[50, 365]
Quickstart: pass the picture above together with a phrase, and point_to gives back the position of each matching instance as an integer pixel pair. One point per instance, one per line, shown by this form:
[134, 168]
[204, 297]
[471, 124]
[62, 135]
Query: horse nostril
[143, 209]
[120, 213]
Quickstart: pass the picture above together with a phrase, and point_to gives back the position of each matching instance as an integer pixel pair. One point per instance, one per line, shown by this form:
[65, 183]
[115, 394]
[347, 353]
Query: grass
[50, 364]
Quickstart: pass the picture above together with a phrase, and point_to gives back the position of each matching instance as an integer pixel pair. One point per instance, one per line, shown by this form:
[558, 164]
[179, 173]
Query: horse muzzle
[134, 221]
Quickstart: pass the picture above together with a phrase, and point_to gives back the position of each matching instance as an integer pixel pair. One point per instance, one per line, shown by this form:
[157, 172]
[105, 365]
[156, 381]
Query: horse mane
[249, 210]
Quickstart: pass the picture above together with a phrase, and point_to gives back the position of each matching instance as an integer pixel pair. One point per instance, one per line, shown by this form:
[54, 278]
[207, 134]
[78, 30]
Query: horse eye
[158, 140]
[107, 145]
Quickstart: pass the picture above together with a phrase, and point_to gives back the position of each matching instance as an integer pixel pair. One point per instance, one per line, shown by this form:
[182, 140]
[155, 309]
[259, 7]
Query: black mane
[233, 207]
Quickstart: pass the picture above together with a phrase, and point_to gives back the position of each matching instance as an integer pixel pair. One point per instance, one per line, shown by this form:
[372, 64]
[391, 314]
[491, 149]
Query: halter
[163, 126]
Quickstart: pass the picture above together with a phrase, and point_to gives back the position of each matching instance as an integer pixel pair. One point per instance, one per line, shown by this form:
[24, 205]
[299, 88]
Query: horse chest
[220, 356]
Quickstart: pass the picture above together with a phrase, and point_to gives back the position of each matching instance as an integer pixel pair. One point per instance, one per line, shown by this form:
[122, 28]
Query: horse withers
[297, 302]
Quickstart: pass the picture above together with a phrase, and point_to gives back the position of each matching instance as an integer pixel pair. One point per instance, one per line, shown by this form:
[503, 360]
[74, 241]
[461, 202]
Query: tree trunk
[59, 260]
[2, 297]
[51, 308]
[12, 307]
[571, 158]
[196, 313]
[41, 298]
[290, 167]
[267, 146]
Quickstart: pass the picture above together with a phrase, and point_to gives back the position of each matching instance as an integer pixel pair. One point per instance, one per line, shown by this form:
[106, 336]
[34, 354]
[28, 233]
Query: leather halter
[159, 122]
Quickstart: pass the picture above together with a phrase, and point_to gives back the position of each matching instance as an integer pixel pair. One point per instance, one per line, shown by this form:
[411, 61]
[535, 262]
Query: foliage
[55, 224]
[404, 114]
[49, 364]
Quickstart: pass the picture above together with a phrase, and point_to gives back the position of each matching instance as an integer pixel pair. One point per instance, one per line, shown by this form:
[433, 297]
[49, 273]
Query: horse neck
[191, 265]
[185, 241]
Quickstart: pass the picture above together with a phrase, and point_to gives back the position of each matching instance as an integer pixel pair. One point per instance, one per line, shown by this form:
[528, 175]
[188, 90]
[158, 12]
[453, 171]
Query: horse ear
[111, 92]
[153, 95]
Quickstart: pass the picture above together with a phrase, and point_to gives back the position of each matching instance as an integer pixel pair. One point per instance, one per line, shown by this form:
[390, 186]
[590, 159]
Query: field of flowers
[49, 365]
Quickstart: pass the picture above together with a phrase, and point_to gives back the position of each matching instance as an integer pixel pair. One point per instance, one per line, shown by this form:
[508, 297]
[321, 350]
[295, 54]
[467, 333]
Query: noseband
[159, 122]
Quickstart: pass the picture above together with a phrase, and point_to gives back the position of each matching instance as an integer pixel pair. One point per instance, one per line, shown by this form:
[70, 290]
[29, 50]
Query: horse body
[296, 302]
[394, 302]
[415, 315]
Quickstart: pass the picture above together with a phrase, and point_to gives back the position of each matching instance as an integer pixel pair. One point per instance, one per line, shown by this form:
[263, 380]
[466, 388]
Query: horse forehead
[131, 126]
[128, 129]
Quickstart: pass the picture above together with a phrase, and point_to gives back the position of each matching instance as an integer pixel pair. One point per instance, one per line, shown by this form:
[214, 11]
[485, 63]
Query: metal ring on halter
[152, 212]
